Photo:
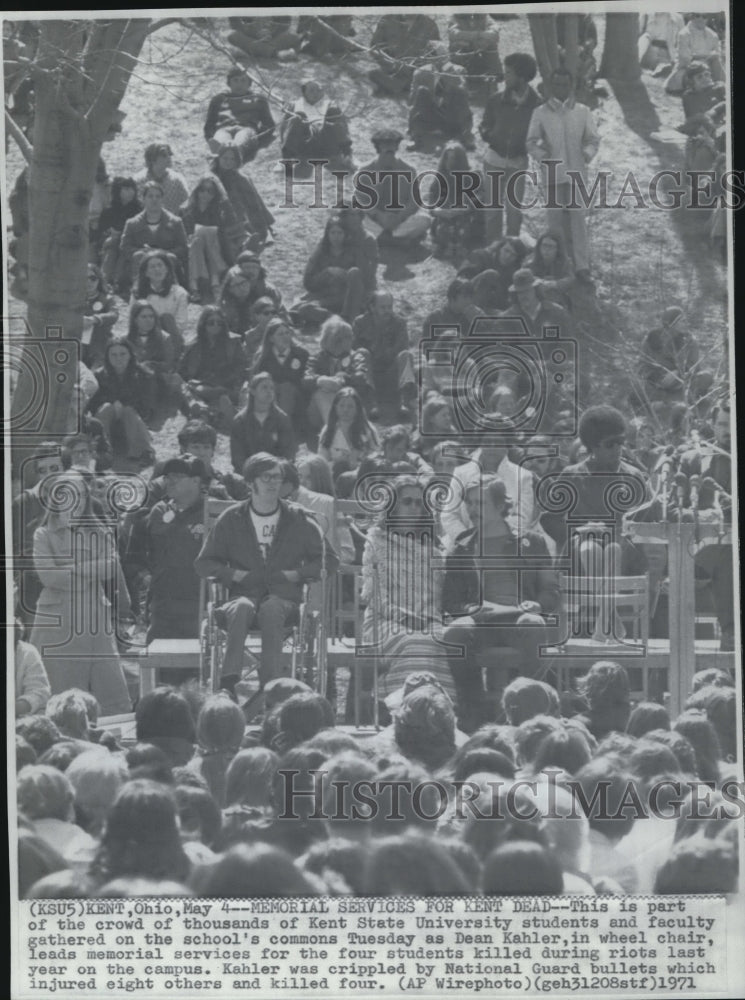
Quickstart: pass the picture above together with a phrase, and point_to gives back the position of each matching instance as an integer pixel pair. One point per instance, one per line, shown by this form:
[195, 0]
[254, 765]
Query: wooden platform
[568, 661]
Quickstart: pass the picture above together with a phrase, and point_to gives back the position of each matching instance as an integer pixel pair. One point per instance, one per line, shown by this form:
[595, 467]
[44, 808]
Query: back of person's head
[412, 865]
[199, 816]
[502, 810]
[483, 759]
[39, 731]
[600, 788]
[562, 748]
[25, 754]
[97, 778]
[605, 687]
[616, 744]
[491, 736]
[680, 746]
[296, 773]
[650, 757]
[343, 775]
[530, 734]
[70, 713]
[522, 868]
[300, 717]
[67, 883]
[164, 714]
[282, 688]
[43, 792]
[525, 697]
[221, 724]
[697, 729]
[250, 777]
[720, 705]
[645, 716]
[600, 422]
[565, 825]
[62, 754]
[712, 677]
[407, 798]
[186, 777]
[424, 726]
[145, 760]
[465, 858]
[36, 859]
[698, 866]
[333, 741]
[253, 871]
[338, 857]
[141, 835]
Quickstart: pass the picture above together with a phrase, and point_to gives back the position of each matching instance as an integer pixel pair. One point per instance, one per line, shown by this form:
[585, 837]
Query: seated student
[314, 128]
[393, 225]
[336, 366]
[695, 42]
[90, 450]
[32, 689]
[332, 278]
[314, 490]
[436, 427]
[282, 358]
[239, 117]
[124, 401]
[154, 349]
[455, 228]
[220, 728]
[45, 797]
[248, 205]
[605, 689]
[701, 94]
[395, 447]
[550, 262]
[215, 237]
[363, 245]
[200, 440]
[347, 437]
[455, 318]
[474, 44]
[100, 316]
[158, 160]
[383, 334]
[245, 283]
[494, 608]
[157, 284]
[124, 204]
[669, 364]
[264, 550]
[213, 369]
[265, 37]
[441, 108]
[153, 228]
[399, 43]
[261, 426]
[318, 41]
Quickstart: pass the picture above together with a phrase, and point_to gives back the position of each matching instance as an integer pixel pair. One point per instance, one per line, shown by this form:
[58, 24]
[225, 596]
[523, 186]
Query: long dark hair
[133, 364]
[143, 282]
[272, 326]
[220, 195]
[116, 187]
[204, 316]
[361, 428]
[334, 222]
[560, 266]
[138, 306]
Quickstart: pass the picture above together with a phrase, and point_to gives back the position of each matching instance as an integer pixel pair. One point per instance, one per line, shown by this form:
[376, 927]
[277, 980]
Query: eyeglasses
[270, 477]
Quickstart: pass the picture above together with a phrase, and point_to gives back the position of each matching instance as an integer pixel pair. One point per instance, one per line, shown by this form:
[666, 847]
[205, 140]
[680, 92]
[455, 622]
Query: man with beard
[504, 128]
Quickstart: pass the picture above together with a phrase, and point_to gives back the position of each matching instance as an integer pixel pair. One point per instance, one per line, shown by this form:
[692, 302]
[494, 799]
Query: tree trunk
[82, 73]
[621, 51]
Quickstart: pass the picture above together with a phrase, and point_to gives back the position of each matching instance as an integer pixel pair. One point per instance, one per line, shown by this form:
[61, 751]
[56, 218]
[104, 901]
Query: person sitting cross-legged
[263, 550]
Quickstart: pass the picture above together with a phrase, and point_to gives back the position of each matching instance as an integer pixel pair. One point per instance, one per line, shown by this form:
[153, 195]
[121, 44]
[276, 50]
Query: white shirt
[519, 484]
[265, 526]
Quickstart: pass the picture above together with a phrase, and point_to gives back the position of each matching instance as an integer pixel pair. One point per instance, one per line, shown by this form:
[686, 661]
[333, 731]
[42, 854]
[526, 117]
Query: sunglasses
[271, 477]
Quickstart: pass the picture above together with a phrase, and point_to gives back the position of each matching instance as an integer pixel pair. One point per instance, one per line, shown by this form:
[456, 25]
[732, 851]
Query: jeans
[272, 616]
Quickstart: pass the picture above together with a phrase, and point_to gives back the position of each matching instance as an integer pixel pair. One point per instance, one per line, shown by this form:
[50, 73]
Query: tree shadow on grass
[396, 260]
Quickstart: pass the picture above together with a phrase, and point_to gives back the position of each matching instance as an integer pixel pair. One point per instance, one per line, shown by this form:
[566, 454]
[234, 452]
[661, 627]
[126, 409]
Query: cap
[671, 315]
[386, 135]
[523, 278]
[186, 465]
[412, 682]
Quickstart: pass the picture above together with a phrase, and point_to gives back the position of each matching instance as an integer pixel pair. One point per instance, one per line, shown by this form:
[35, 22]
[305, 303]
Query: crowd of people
[458, 544]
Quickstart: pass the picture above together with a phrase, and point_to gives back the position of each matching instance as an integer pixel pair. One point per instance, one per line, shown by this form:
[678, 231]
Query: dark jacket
[712, 464]
[291, 369]
[535, 581]
[383, 344]
[170, 235]
[505, 123]
[232, 544]
[135, 388]
[247, 110]
[172, 546]
[353, 366]
[222, 216]
[248, 436]
[224, 366]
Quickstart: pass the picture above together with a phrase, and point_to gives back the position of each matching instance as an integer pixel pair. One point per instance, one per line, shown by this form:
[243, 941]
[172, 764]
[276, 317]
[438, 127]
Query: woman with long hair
[347, 436]
[124, 401]
[157, 282]
[213, 368]
[100, 315]
[123, 206]
[154, 348]
[76, 560]
[492, 271]
[551, 263]
[215, 236]
[337, 365]
[246, 283]
[333, 278]
[285, 360]
[455, 230]
[248, 205]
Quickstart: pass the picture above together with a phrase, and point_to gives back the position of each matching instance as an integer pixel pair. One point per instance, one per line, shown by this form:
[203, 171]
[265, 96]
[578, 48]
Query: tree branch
[22, 142]
[162, 22]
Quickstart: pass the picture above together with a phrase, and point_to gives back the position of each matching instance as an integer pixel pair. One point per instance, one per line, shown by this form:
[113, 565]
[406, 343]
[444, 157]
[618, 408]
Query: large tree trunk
[621, 52]
[82, 70]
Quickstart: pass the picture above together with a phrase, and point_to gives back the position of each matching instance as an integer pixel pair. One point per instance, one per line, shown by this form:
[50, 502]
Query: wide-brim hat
[186, 465]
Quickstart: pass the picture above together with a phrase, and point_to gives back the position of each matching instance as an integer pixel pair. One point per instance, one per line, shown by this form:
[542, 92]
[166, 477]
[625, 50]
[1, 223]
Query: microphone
[679, 481]
[695, 484]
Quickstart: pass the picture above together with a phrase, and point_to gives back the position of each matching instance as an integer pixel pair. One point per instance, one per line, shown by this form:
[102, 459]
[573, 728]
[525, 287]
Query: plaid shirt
[175, 191]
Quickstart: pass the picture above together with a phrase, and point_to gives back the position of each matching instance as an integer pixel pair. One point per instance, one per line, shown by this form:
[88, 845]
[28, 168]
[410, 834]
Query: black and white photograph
[373, 612]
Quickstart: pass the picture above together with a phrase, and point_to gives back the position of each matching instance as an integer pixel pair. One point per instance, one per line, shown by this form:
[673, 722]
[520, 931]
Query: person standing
[563, 130]
[504, 128]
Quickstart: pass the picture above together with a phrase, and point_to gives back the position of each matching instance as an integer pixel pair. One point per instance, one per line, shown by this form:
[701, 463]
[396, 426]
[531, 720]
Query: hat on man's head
[671, 315]
[523, 278]
[386, 135]
[412, 682]
[186, 465]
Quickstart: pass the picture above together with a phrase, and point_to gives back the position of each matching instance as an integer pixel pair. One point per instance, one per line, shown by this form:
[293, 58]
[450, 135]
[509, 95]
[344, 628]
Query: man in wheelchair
[264, 550]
